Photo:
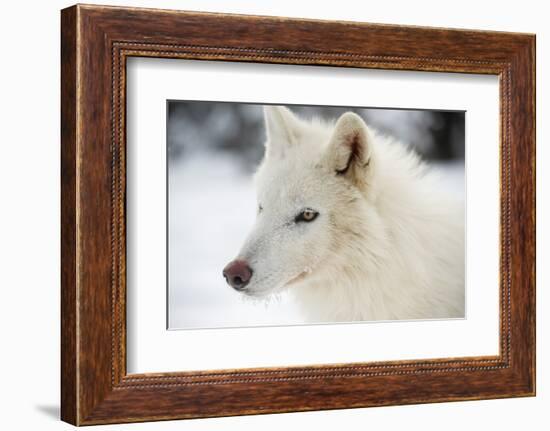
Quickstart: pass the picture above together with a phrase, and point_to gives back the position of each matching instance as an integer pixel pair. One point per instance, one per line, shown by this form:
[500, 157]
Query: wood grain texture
[96, 41]
[69, 331]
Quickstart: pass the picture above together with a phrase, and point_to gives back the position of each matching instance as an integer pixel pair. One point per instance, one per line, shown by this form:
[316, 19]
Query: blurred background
[213, 150]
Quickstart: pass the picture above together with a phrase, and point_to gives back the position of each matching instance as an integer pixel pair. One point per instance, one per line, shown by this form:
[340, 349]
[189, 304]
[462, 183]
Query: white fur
[388, 242]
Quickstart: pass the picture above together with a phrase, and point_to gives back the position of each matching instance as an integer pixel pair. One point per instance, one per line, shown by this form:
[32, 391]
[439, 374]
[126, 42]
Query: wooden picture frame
[95, 43]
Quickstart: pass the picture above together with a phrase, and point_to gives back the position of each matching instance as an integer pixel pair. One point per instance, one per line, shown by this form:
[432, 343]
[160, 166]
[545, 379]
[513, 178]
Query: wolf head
[314, 191]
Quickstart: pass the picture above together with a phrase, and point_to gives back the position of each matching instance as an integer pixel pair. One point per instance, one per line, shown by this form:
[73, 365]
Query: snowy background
[213, 150]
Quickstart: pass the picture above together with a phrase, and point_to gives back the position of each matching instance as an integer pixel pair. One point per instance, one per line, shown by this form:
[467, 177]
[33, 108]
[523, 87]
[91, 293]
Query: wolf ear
[283, 129]
[348, 153]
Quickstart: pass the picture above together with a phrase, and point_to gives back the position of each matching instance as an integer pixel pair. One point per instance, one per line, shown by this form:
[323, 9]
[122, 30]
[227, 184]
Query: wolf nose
[237, 274]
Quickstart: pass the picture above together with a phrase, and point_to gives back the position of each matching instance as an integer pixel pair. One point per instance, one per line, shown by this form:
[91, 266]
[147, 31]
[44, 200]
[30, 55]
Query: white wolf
[353, 224]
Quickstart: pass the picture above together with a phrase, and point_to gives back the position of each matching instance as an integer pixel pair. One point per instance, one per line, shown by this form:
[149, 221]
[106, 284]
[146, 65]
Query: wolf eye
[306, 215]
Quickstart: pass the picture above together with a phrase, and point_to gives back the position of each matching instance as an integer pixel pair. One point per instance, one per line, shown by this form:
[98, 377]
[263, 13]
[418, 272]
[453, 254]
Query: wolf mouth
[297, 278]
[300, 277]
[265, 293]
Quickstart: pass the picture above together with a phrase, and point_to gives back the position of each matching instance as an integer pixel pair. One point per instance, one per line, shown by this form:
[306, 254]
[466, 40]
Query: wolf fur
[387, 242]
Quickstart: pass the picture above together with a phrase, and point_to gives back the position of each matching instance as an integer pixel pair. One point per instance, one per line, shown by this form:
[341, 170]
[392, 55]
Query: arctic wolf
[353, 224]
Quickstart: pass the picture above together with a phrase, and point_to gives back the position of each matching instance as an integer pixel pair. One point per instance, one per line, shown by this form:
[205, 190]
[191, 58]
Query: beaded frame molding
[95, 43]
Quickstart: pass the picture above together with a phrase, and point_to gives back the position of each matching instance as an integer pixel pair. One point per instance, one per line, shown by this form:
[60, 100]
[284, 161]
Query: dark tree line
[238, 129]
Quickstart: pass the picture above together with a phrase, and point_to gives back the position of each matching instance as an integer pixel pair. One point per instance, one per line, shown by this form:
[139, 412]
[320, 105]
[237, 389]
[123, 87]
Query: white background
[153, 349]
[29, 216]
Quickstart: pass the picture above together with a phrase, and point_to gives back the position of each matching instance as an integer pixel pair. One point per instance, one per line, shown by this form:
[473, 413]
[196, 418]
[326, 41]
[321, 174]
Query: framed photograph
[264, 214]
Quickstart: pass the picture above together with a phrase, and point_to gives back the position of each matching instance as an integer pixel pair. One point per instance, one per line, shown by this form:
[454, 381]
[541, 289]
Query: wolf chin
[353, 224]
